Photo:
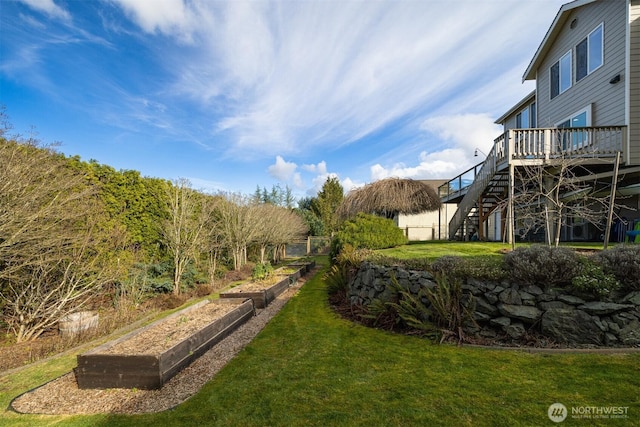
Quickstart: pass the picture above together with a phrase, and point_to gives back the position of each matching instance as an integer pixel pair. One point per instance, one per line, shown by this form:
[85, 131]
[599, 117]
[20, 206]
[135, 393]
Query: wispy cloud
[352, 89]
[49, 8]
[462, 133]
[309, 74]
[170, 17]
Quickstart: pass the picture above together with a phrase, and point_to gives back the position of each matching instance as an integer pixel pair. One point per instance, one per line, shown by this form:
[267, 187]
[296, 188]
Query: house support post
[612, 199]
[510, 213]
[481, 219]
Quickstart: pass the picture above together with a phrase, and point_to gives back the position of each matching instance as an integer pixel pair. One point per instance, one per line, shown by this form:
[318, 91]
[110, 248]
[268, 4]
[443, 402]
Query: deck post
[612, 199]
[481, 219]
[547, 144]
[510, 216]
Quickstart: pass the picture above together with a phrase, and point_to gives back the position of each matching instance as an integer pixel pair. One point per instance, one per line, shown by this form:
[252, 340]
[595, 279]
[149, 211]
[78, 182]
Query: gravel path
[62, 395]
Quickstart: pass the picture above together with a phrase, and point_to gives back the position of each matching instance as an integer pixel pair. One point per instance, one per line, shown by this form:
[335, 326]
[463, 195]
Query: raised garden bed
[260, 293]
[304, 266]
[263, 292]
[150, 356]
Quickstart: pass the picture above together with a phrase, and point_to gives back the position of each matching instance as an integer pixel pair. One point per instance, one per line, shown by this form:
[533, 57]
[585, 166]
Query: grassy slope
[309, 367]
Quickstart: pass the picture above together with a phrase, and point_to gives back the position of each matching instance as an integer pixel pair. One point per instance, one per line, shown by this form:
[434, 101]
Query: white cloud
[282, 169]
[170, 17]
[462, 133]
[465, 131]
[348, 184]
[49, 7]
[440, 165]
[320, 168]
[297, 181]
[303, 75]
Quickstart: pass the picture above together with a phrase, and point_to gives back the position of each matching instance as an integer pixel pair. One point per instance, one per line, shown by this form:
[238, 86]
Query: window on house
[532, 115]
[574, 139]
[561, 75]
[526, 118]
[522, 119]
[589, 53]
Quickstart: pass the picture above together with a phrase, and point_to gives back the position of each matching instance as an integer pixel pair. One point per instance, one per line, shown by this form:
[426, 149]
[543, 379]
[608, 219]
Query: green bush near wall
[367, 232]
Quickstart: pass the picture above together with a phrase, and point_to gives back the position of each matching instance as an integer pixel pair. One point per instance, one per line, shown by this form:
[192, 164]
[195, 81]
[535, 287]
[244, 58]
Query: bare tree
[546, 195]
[276, 226]
[51, 288]
[50, 262]
[291, 227]
[213, 238]
[267, 226]
[184, 231]
[237, 220]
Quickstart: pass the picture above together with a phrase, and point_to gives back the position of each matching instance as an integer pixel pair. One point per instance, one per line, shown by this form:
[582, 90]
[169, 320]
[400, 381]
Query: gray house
[583, 114]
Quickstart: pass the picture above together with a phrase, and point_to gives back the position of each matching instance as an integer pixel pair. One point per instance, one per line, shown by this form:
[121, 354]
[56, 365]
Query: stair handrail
[484, 176]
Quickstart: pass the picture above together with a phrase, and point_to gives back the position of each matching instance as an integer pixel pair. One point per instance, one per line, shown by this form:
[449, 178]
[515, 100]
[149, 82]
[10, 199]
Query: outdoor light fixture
[615, 79]
[475, 153]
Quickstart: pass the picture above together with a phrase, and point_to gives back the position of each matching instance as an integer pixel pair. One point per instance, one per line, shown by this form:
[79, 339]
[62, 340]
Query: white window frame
[590, 68]
[531, 119]
[578, 139]
[568, 55]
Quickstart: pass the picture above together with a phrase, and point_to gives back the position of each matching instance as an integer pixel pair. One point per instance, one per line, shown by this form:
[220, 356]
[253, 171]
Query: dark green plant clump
[403, 311]
[439, 312]
[451, 309]
[594, 281]
[624, 263]
[344, 267]
[544, 266]
[367, 232]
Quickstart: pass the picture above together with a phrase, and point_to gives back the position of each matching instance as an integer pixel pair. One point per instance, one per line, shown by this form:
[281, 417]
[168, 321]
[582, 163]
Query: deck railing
[542, 144]
[528, 146]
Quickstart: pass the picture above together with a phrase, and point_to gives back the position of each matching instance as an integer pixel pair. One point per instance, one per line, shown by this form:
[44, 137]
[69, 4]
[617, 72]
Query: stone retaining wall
[508, 311]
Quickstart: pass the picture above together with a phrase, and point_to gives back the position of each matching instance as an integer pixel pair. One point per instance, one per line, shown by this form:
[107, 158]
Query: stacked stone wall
[509, 311]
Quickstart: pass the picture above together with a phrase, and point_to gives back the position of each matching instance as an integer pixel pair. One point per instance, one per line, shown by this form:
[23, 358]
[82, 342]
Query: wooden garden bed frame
[97, 369]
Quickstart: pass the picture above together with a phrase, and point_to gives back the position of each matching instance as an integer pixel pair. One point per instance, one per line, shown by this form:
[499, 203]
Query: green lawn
[309, 367]
[437, 248]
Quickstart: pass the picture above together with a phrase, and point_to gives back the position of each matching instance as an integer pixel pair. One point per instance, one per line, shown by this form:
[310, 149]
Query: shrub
[367, 232]
[203, 290]
[448, 264]
[412, 310]
[262, 270]
[344, 267]
[161, 286]
[450, 308]
[594, 281]
[624, 263]
[419, 264]
[488, 268]
[337, 279]
[544, 266]
[403, 311]
[170, 301]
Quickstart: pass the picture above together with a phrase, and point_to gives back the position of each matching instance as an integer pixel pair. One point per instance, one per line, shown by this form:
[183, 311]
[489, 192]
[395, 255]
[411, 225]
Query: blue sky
[236, 94]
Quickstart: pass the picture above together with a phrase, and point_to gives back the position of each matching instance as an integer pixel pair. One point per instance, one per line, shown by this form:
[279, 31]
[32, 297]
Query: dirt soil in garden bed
[257, 286]
[164, 335]
[62, 395]
[14, 355]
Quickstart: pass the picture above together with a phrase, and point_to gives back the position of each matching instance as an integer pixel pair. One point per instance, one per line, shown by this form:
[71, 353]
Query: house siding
[607, 100]
[634, 82]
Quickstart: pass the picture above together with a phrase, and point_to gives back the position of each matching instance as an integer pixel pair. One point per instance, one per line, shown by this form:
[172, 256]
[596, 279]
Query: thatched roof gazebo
[389, 197]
